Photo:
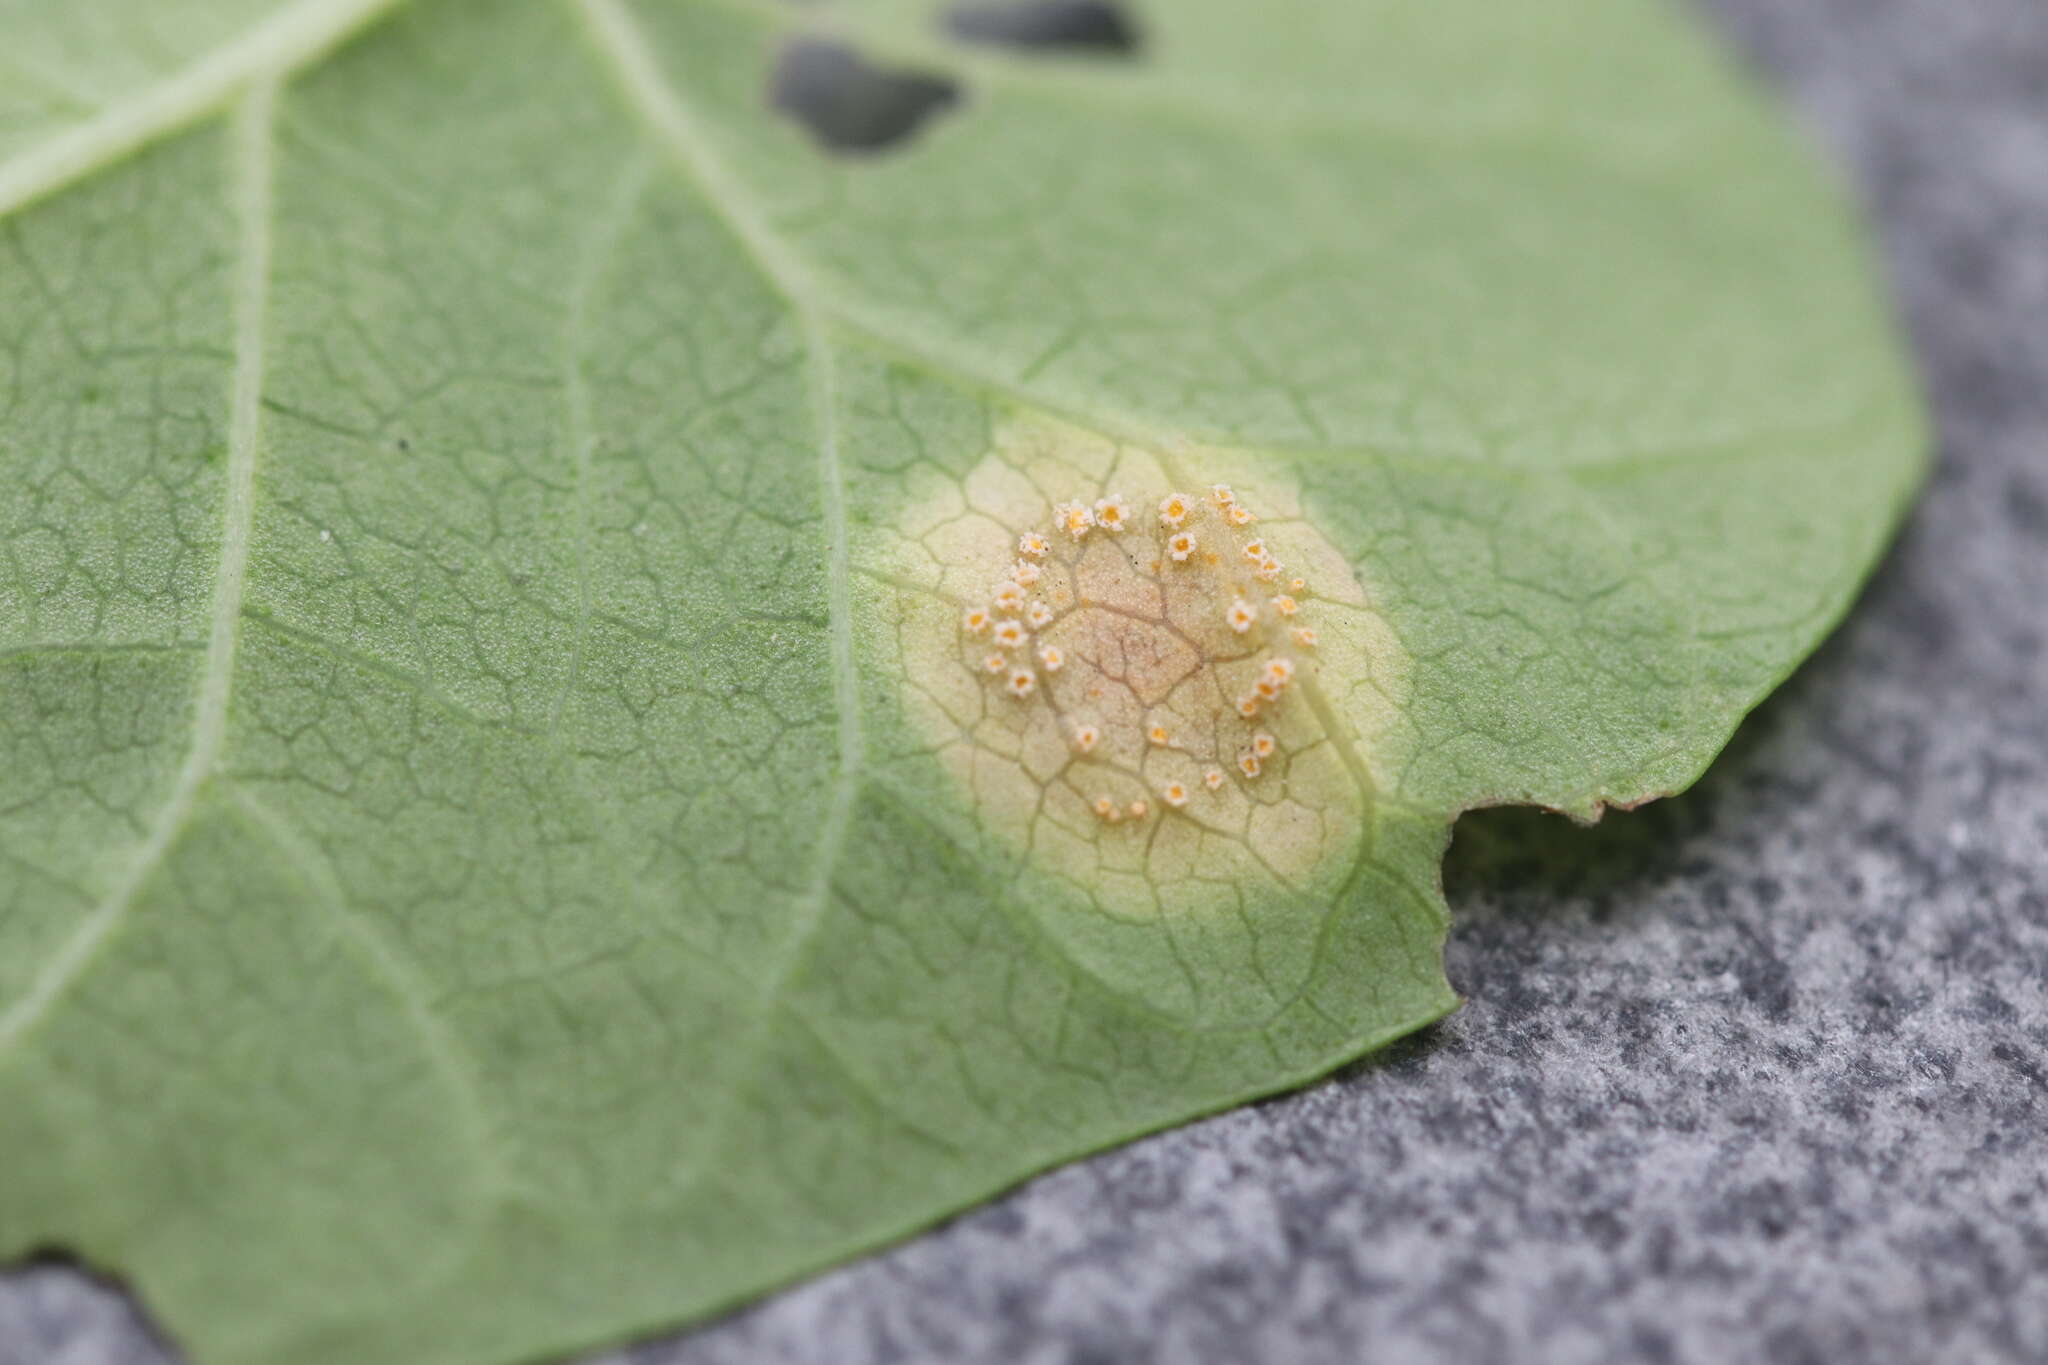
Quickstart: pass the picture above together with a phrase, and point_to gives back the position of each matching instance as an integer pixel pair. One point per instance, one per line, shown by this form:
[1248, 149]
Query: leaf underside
[479, 876]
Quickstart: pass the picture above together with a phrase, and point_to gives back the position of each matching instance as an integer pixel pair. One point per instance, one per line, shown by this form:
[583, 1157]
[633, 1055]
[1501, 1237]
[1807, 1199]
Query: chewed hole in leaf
[1046, 25]
[848, 103]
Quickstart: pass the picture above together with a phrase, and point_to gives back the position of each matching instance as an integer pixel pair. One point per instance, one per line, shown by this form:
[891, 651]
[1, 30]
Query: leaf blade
[586, 828]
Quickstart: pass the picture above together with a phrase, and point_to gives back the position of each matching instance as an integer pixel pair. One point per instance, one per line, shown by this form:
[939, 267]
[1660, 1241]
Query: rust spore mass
[1177, 743]
[1150, 641]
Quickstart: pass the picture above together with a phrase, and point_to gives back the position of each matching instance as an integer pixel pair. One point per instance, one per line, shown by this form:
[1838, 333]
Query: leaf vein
[253, 149]
[577, 416]
[288, 40]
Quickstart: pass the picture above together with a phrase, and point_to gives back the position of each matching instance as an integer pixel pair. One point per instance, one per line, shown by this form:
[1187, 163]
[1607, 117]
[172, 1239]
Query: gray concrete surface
[1757, 1074]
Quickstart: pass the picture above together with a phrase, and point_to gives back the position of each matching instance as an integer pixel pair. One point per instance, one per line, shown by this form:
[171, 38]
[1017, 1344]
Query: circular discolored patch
[1147, 669]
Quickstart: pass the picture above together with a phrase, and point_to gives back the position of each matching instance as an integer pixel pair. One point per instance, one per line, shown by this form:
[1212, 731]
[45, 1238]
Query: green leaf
[503, 843]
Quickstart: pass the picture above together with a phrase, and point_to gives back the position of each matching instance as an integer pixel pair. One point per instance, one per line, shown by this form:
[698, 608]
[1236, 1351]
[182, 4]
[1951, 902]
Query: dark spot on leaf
[1045, 25]
[848, 103]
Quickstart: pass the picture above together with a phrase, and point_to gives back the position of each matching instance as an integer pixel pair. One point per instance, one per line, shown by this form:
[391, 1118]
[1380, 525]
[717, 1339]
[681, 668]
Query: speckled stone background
[1757, 1074]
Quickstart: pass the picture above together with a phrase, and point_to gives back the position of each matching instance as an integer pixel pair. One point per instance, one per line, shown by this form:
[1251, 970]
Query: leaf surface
[503, 843]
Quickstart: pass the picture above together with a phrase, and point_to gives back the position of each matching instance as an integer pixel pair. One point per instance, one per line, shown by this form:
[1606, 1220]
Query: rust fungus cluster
[1182, 629]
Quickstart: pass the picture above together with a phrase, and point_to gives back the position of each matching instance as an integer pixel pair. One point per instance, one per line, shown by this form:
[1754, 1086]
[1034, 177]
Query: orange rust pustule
[1162, 628]
[1151, 644]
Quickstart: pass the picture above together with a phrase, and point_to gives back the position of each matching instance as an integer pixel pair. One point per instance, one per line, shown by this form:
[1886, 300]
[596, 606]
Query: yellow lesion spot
[1152, 682]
